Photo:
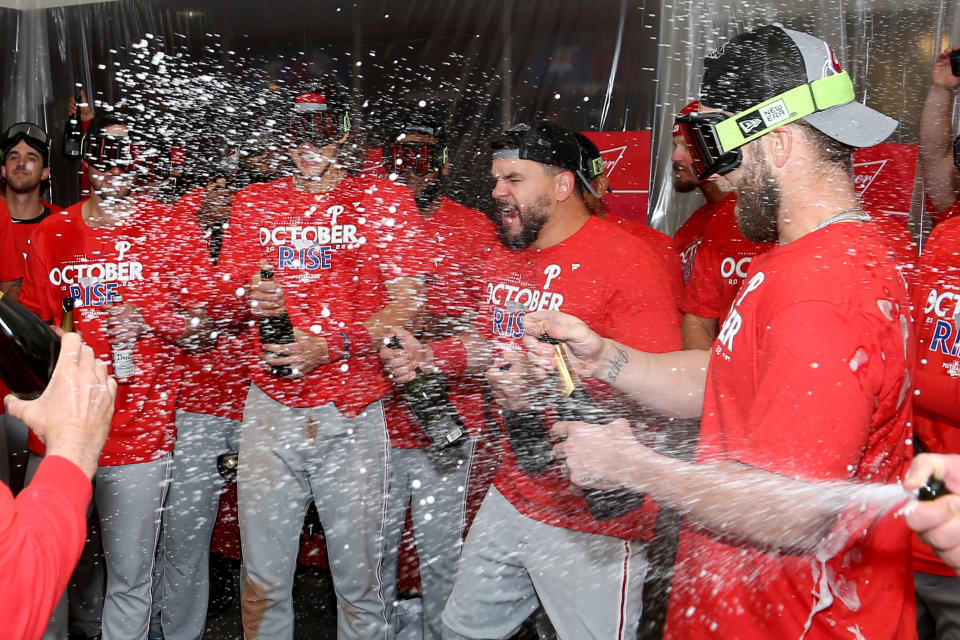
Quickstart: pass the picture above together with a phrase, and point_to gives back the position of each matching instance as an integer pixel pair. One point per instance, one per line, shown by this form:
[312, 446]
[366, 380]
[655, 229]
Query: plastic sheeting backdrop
[491, 63]
[588, 64]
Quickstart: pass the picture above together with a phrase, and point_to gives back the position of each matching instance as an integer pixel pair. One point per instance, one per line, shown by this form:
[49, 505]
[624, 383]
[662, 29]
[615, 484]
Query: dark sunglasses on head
[106, 151]
[420, 158]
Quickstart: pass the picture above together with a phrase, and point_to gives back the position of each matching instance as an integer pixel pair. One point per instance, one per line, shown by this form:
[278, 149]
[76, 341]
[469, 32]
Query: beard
[532, 220]
[681, 181]
[425, 196]
[758, 200]
[23, 186]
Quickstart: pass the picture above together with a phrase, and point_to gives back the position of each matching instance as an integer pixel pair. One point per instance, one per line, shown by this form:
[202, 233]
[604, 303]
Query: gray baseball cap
[762, 64]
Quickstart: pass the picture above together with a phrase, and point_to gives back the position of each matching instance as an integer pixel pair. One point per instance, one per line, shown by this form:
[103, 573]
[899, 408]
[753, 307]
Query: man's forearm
[742, 503]
[670, 384]
[936, 148]
[406, 301]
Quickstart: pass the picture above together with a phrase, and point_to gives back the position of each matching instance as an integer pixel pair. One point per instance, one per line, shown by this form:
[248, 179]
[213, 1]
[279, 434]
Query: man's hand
[266, 296]
[86, 109]
[303, 355]
[124, 322]
[942, 74]
[937, 522]
[596, 456]
[402, 363]
[584, 344]
[72, 416]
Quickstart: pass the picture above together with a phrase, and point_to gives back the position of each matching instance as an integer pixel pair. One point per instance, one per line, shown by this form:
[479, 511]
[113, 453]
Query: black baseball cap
[770, 60]
[544, 142]
[32, 134]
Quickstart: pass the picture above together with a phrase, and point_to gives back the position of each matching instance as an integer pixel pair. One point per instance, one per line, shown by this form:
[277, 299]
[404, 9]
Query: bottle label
[123, 361]
[443, 431]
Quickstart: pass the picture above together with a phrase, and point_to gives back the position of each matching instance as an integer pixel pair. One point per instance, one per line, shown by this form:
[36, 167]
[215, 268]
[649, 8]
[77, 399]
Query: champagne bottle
[66, 321]
[122, 355]
[73, 132]
[227, 465]
[577, 405]
[531, 446]
[603, 504]
[276, 330]
[428, 400]
[932, 489]
[29, 349]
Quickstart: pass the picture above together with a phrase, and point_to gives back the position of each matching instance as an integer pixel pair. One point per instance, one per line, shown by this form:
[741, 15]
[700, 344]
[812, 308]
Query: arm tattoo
[616, 365]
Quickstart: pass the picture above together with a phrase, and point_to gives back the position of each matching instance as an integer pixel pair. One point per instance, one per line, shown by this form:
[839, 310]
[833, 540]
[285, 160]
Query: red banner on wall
[885, 177]
[626, 161]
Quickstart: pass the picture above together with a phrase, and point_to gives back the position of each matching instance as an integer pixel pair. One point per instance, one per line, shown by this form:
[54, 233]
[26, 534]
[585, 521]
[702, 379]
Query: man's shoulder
[836, 264]
[944, 236]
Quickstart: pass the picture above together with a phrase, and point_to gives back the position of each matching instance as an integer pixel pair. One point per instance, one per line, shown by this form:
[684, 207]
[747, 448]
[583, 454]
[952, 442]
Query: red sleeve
[41, 535]
[701, 296]
[833, 421]
[11, 260]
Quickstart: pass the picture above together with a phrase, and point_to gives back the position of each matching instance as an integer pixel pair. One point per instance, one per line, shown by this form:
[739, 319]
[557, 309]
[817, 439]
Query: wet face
[522, 193]
[23, 168]
[424, 187]
[114, 183]
[758, 195]
[684, 179]
[312, 161]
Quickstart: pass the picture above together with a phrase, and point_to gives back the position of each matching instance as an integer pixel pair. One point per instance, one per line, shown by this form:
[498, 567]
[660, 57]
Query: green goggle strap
[785, 108]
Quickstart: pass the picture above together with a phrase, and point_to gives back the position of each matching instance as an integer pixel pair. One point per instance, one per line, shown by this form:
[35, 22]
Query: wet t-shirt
[140, 260]
[721, 263]
[333, 254]
[809, 378]
[592, 275]
[460, 238]
[936, 399]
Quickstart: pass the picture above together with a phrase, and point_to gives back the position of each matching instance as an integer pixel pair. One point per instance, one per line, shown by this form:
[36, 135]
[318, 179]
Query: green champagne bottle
[429, 401]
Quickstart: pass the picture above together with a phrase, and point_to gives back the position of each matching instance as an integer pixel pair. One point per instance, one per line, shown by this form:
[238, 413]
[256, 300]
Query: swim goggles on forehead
[319, 127]
[714, 139]
[421, 158]
[106, 151]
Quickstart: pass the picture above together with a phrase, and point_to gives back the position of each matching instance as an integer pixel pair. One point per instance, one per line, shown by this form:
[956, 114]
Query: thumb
[14, 406]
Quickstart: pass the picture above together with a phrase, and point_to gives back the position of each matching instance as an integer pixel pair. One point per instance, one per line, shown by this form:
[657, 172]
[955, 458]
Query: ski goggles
[314, 124]
[714, 139]
[421, 158]
[106, 151]
[30, 133]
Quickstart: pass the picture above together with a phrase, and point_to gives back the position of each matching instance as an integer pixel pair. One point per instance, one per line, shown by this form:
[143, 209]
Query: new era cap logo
[764, 118]
[749, 125]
